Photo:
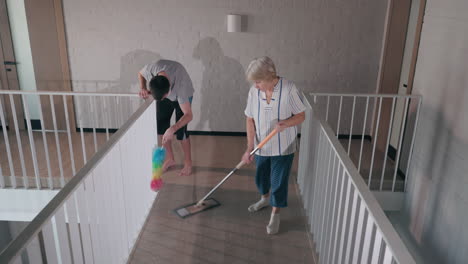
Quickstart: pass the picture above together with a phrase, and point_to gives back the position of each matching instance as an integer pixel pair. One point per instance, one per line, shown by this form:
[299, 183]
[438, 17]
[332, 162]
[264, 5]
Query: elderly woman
[273, 102]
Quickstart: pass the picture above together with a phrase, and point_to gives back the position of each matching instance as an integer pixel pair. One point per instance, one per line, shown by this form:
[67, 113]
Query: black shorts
[164, 110]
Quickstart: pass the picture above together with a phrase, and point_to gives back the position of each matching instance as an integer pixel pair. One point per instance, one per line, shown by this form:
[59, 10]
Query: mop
[204, 203]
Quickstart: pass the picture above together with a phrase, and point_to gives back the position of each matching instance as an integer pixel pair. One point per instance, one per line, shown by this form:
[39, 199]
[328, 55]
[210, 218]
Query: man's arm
[143, 90]
[186, 118]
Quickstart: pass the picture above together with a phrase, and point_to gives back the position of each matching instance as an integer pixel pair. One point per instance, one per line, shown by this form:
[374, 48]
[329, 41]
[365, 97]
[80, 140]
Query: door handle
[8, 70]
[10, 62]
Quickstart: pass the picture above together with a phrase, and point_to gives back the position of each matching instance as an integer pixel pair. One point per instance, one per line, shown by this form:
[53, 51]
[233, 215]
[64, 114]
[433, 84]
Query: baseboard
[98, 130]
[345, 136]
[391, 152]
[217, 133]
[222, 133]
[35, 124]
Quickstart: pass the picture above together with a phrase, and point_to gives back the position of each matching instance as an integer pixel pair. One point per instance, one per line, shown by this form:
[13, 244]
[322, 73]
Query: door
[395, 31]
[8, 71]
[398, 64]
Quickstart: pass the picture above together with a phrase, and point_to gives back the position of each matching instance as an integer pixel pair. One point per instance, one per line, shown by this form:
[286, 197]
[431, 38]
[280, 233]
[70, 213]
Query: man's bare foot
[168, 163]
[187, 170]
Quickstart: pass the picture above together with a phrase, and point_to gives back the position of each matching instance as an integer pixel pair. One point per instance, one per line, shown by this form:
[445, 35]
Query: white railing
[346, 221]
[97, 216]
[48, 136]
[377, 132]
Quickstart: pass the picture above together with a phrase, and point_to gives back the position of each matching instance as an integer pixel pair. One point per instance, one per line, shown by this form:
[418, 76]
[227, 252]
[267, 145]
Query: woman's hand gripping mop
[204, 203]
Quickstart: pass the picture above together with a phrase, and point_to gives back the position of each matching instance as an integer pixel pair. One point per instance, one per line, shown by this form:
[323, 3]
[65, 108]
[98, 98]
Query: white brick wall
[322, 45]
[437, 203]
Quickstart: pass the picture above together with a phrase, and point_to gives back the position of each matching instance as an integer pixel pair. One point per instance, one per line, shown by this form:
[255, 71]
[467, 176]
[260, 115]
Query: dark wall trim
[35, 124]
[98, 130]
[218, 133]
[344, 136]
[392, 155]
[391, 152]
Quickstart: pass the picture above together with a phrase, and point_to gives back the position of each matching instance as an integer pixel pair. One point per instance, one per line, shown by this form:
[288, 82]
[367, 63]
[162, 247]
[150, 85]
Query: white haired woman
[273, 102]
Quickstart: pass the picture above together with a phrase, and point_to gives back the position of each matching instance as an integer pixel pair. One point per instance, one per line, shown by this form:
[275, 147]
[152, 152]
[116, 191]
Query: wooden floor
[56, 152]
[378, 166]
[228, 233]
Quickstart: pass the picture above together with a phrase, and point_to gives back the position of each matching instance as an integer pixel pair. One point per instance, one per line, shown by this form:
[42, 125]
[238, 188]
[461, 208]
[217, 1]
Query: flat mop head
[193, 208]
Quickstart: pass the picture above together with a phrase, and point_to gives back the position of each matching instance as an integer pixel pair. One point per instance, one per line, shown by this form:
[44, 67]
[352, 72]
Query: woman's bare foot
[168, 163]
[187, 170]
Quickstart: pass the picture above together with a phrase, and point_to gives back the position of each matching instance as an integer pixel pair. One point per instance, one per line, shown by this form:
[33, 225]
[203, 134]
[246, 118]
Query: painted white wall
[23, 205]
[22, 49]
[324, 46]
[437, 202]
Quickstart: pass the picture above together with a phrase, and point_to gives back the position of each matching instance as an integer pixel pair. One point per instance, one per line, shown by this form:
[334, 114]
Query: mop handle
[259, 146]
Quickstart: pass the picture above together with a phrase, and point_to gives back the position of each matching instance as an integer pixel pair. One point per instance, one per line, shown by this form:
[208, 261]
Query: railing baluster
[352, 227]
[324, 204]
[377, 247]
[339, 118]
[18, 139]
[83, 219]
[50, 246]
[74, 229]
[61, 234]
[363, 133]
[412, 141]
[376, 135]
[328, 104]
[331, 206]
[107, 119]
[359, 232]
[83, 148]
[386, 144]
[352, 121]
[400, 141]
[315, 212]
[31, 142]
[57, 141]
[46, 146]
[95, 122]
[388, 257]
[7, 145]
[339, 219]
[70, 143]
[2, 178]
[370, 229]
[345, 223]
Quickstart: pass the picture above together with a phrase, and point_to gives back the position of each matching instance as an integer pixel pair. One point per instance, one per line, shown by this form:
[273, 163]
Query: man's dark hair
[159, 86]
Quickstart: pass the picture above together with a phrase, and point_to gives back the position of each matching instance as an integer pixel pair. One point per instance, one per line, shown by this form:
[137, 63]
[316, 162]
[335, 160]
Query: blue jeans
[273, 173]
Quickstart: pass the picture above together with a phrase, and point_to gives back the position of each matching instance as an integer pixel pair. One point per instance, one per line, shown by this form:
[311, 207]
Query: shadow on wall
[437, 205]
[223, 90]
[103, 112]
[130, 64]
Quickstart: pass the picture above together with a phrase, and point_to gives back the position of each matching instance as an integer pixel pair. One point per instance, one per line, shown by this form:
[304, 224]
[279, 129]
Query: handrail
[375, 210]
[67, 93]
[34, 227]
[367, 95]
[394, 243]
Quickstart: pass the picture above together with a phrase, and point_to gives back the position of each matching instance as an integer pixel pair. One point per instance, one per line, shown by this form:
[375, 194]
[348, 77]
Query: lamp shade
[234, 23]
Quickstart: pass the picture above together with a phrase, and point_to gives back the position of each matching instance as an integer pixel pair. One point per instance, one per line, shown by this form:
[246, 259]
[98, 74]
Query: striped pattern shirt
[285, 102]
